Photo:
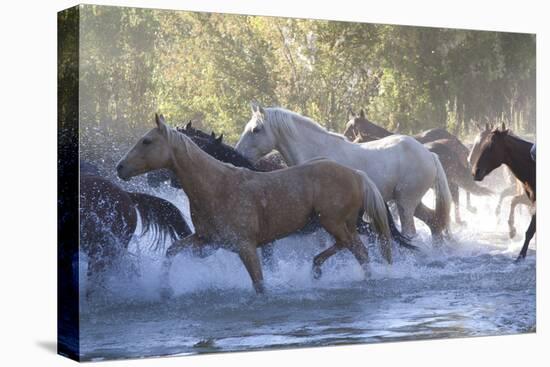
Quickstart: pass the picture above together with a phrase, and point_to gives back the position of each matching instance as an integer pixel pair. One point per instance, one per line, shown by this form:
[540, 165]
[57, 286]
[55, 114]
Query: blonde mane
[283, 120]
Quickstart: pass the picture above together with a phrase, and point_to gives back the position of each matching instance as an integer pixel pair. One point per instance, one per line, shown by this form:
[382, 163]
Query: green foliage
[207, 67]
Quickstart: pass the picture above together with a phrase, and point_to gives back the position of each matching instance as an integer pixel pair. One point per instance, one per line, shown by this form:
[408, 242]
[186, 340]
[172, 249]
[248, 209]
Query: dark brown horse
[108, 219]
[514, 188]
[500, 148]
[452, 154]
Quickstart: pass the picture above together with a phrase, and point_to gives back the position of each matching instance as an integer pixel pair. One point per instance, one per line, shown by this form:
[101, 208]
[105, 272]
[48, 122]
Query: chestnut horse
[240, 210]
[500, 147]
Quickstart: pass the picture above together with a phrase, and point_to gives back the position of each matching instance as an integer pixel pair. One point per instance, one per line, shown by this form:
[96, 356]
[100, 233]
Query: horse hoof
[317, 273]
[512, 233]
[474, 210]
[166, 293]
[519, 259]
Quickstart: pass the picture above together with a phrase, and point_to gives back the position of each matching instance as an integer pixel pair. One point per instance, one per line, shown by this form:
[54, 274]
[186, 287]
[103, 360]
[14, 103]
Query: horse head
[258, 137]
[484, 131]
[151, 152]
[491, 152]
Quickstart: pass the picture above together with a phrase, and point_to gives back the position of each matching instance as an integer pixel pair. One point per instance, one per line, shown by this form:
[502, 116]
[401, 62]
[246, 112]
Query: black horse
[218, 149]
[108, 219]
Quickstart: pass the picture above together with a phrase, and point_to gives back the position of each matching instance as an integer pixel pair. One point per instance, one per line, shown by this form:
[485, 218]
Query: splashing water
[466, 287]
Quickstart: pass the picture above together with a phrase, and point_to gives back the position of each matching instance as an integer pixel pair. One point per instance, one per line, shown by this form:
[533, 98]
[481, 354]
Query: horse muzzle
[479, 174]
[122, 172]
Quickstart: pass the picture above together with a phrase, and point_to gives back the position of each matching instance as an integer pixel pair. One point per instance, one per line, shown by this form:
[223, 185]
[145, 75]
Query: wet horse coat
[240, 210]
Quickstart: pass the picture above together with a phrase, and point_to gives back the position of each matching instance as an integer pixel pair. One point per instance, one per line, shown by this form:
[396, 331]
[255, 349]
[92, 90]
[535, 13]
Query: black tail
[160, 217]
[398, 237]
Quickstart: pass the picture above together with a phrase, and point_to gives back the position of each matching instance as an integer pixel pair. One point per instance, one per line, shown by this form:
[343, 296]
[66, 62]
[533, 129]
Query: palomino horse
[499, 148]
[215, 147]
[108, 219]
[360, 129]
[240, 210]
[514, 188]
[402, 169]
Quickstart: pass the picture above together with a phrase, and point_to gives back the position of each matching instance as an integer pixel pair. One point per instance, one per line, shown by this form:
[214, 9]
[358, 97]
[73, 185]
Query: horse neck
[306, 145]
[199, 174]
[517, 157]
[230, 155]
[380, 131]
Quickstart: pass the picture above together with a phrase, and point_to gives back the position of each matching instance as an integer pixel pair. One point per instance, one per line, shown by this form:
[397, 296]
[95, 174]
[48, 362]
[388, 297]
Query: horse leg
[512, 215]
[456, 198]
[360, 252]
[406, 218]
[427, 215]
[192, 242]
[249, 257]
[469, 205]
[528, 236]
[509, 191]
[319, 259]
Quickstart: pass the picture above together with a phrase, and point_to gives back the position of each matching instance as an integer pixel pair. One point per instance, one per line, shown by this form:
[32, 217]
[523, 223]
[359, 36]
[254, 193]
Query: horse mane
[161, 218]
[511, 134]
[223, 152]
[282, 119]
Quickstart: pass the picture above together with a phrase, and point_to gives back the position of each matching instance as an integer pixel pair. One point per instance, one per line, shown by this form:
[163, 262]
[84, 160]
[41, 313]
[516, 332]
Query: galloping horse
[402, 168]
[108, 219]
[239, 210]
[360, 129]
[515, 187]
[499, 148]
[216, 148]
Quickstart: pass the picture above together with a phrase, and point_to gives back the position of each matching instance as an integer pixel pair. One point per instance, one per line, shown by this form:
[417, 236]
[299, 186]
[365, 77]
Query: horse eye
[256, 129]
[146, 141]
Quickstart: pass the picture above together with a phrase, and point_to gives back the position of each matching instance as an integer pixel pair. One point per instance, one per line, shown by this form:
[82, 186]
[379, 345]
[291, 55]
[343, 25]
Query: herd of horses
[289, 175]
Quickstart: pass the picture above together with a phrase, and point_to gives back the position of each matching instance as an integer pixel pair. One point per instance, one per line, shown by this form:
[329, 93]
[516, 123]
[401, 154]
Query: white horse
[402, 168]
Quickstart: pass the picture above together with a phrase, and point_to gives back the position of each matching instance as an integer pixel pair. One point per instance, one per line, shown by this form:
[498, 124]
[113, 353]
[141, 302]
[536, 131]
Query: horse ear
[351, 115]
[362, 113]
[487, 126]
[161, 123]
[188, 126]
[219, 139]
[503, 127]
[261, 110]
[157, 120]
[253, 106]
[212, 135]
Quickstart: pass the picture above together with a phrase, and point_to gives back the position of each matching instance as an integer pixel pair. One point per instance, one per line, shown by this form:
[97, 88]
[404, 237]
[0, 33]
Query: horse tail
[160, 217]
[400, 238]
[375, 208]
[465, 180]
[443, 197]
